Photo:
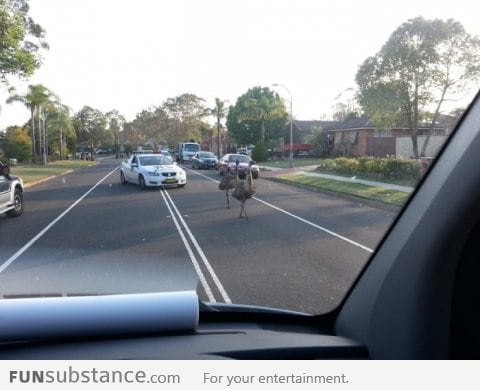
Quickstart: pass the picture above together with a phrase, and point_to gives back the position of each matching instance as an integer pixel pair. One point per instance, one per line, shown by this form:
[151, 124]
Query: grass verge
[32, 173]
[376, 194]
[297, 162]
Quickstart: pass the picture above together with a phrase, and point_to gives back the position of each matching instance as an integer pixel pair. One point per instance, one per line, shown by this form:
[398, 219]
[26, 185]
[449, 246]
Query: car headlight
[181, 173]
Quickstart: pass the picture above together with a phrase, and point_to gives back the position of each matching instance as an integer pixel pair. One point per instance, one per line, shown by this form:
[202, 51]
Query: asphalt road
[86, 233]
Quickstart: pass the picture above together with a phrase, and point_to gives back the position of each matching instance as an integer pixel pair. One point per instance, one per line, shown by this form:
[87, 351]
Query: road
[86, 233]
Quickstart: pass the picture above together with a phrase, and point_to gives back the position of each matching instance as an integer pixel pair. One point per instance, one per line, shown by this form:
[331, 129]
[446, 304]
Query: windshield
[154, 160]
[206, 155]
[238, 157]
[191, 147]
[342, 107]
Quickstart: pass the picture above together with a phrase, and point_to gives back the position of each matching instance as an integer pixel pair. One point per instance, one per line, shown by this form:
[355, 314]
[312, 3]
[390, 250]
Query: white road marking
[194, 261]
[205, 261]
[14, 257]
[328, 231]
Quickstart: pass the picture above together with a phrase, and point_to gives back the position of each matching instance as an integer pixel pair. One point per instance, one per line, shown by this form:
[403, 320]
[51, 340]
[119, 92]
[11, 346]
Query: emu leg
[228, 199]
[242, 210]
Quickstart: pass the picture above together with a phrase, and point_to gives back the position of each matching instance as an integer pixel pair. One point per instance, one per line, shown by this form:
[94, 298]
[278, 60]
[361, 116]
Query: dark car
[228, 163]
[204, 160]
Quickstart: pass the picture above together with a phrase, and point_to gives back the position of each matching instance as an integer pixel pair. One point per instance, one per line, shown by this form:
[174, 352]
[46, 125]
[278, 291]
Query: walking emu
[244, 189]
[226, 184]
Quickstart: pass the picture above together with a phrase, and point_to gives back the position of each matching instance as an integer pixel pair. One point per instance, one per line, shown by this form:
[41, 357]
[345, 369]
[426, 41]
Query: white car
[152, 170]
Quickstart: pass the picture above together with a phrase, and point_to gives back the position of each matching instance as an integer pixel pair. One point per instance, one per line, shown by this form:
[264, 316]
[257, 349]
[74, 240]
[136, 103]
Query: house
[345, 137]
[359, 137]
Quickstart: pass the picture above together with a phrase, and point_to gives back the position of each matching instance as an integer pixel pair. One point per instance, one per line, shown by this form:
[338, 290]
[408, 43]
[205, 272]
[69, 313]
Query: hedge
[380, 168]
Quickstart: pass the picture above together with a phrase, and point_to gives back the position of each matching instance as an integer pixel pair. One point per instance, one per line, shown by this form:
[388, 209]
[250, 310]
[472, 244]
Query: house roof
[308, 126]
[443, 121]
[357, 123]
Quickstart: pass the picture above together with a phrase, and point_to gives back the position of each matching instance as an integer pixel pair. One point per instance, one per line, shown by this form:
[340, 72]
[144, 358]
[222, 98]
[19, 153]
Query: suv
[11, 193]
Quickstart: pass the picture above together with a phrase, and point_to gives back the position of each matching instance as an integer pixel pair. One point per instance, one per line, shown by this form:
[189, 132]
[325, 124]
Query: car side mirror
[4, 170]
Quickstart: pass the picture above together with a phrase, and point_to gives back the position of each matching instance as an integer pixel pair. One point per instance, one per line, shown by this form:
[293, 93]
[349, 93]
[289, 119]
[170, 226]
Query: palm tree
[34, 99]
[219, 111]
[59, 124]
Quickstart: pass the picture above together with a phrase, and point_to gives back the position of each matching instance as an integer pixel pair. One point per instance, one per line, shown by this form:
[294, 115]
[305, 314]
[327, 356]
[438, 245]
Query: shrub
[380, 168]
[347, 166]
[260, 153]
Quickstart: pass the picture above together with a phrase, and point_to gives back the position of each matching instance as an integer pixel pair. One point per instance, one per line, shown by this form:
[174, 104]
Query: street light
[290, 156]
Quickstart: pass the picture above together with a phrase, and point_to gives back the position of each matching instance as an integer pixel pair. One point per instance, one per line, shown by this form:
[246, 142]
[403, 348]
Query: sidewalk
[307, 170]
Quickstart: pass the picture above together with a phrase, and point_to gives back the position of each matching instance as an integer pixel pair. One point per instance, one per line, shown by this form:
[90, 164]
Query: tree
[91, 126]
[219, 112]
[259, 114]
[60, 128]
[410, 77]
[319, 141]
[153, 124]
[115, 124]
[185, 114]
[20, 40]
[35, 99]
[346, 107]
[17, 143]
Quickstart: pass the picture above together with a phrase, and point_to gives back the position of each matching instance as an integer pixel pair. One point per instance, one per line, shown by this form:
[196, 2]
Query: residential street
[301, 250]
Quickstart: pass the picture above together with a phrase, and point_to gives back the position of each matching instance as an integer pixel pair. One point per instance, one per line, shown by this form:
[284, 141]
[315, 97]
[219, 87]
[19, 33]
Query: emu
[244, 189]
[226, 184]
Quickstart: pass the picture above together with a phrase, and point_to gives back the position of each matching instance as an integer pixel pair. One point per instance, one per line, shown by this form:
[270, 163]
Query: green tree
[35, 99]
[410, 77]
[91, 126]
[260, 153]
[154, 124]
[346, 107]
[186, 113]
[21, 40]
[60, 129]
[206, 134]
[219, 112]
[18, 144]
[115, 123]
[259, 114]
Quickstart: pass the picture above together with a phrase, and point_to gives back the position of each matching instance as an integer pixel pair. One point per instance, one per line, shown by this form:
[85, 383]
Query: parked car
[152, 170]
[11, 193]
[205, 160]
[228, 163]
[167, 154]
[242, 151]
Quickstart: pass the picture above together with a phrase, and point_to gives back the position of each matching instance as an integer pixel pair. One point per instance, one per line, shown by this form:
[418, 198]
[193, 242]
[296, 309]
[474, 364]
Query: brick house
[359, 137]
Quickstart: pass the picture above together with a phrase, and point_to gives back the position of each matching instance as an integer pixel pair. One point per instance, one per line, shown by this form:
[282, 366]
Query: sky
[132, 55]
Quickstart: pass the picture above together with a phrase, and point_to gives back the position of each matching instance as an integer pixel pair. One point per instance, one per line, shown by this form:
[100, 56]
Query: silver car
[11, 193]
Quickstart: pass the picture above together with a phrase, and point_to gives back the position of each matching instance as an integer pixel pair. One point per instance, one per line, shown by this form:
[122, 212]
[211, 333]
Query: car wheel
[141, 182]
[18, 204]
[122, 178]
